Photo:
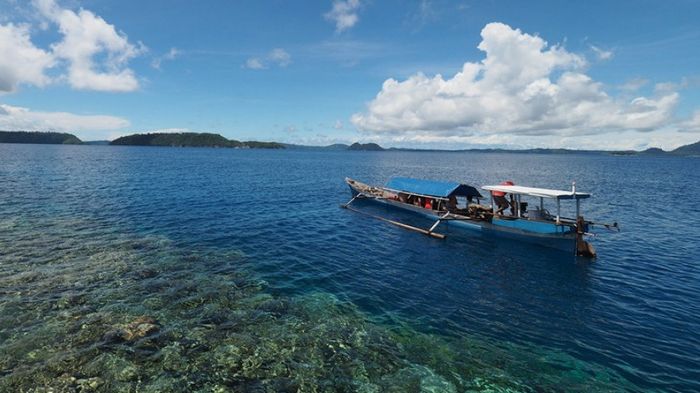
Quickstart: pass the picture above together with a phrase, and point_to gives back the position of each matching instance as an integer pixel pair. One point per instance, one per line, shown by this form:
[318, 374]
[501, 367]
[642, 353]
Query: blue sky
[595, 74]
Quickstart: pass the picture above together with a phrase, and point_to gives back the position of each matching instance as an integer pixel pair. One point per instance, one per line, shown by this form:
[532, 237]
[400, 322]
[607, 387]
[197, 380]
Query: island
[196, 139]
[191, 139]
[365, 146]
[46, 138]
[340, 147]
[97, 143]
[688, 150]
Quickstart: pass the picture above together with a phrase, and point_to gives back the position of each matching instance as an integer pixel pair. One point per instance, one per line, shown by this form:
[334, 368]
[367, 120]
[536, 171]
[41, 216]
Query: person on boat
[452, 203]
[499, 198]
[428, 203]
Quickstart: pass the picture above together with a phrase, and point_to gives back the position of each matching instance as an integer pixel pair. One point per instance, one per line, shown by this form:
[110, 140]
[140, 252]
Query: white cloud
[172, 54]
[254, 63]
[349, 52]
[338, 125]
[280, 57]
[523, 86]
[426, 9]
[602, 54]
[633, 85]
[685, 83]
[343, 14]
[666, 138]
[24, 119]
[277, 56]
[692, 124]
[85, 37]
[426, 12]
[20, 60]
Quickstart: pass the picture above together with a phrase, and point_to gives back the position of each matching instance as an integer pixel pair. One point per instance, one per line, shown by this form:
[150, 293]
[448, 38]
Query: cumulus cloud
[523, 86]
[20, 60]
[667, 138]
[92, 55]
[343, 14]
[24, 119]
[87, 37]
[278, 57]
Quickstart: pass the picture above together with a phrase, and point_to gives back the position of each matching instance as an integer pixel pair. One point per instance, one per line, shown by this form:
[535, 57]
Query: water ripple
[250, 273]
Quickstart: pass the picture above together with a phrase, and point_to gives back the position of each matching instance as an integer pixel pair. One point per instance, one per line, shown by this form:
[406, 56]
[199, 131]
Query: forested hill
[50, 138]
[365, 146]
[689, 150]
[190, 139]
[179, 139]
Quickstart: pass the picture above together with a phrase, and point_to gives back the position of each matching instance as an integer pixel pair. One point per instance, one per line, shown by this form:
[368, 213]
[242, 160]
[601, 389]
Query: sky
[421, 74]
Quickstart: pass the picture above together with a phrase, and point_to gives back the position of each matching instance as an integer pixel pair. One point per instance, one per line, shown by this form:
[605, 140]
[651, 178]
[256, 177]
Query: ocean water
[163, 269]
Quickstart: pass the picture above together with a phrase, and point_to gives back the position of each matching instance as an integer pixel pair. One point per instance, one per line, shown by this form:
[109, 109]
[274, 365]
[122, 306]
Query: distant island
[340, 146]
[191, 139]
[365, 146]
[102, 142]
[689, 150]
[335, 146]
[45, 138]
[194, 139]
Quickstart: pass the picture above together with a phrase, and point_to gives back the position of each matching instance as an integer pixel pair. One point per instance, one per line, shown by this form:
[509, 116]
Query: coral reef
[104, 312]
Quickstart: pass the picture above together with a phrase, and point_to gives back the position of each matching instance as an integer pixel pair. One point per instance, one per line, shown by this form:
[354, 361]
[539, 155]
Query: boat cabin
[439, 194]
[539, 213]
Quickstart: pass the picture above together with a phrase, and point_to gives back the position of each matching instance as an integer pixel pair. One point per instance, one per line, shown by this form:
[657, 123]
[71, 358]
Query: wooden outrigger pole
[428, 232]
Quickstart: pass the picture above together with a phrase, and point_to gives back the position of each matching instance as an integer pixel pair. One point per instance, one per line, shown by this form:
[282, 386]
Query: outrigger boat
[439, 200]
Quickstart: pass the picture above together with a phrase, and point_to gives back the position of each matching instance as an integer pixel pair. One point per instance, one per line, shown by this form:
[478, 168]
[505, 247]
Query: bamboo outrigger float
[438, 200]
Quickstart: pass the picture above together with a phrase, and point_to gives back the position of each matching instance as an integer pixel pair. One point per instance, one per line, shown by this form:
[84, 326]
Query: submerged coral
[99, 311]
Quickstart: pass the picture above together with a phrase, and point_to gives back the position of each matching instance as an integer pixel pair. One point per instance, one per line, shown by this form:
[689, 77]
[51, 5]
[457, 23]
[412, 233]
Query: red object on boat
[503, 183]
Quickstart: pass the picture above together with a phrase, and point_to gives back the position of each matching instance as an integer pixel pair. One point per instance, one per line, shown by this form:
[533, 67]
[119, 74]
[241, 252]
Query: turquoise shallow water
[160, 269]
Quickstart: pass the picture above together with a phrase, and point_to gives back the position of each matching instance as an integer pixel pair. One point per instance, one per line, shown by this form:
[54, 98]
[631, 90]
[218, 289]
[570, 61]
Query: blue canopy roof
[441, 189]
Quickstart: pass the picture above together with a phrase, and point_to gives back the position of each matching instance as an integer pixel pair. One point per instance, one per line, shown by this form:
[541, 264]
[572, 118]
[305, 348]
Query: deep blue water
[634, 312]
